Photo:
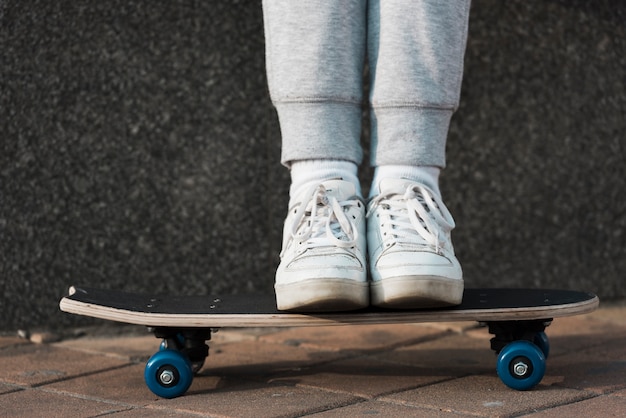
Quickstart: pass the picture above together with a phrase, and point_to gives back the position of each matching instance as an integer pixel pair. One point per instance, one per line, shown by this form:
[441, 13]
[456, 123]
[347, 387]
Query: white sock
[427, 175]
[306, 172]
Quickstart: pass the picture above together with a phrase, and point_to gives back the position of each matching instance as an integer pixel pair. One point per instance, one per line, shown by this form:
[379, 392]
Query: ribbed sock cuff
[307, 172]
[427, 175]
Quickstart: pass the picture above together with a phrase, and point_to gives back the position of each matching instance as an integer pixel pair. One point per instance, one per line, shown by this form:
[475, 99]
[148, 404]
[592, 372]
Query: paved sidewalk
[429, 370]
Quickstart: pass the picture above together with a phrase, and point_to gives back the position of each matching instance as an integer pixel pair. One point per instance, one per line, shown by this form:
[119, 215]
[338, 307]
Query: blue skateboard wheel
[541, 340]
[521, 365]
[168, 373]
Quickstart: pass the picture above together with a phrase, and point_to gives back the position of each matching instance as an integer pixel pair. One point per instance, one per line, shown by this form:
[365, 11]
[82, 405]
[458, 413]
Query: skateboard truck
[191, 342]
[169, 372]
[522, 347]
[505, 332]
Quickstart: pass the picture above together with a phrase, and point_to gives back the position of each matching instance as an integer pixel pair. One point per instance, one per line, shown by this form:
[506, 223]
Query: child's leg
[315, 52]
[315, 55]
[416, 50]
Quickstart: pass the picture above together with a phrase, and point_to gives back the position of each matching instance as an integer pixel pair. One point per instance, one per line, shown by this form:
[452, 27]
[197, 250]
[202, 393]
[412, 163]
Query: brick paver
[427, 370]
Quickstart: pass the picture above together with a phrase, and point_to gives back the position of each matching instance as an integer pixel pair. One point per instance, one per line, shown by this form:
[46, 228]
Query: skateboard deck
[516, 317]
[260, 310]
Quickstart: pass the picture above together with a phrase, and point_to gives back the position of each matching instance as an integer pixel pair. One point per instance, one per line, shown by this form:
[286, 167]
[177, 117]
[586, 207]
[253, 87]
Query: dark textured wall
[139, 150]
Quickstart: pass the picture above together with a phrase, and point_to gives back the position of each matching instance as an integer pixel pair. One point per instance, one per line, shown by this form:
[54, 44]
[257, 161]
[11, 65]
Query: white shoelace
[416, 212]
[323, 221]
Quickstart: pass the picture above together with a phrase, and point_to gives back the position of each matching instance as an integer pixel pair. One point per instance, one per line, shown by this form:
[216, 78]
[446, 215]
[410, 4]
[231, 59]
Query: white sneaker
[322, 264]
[411, 257]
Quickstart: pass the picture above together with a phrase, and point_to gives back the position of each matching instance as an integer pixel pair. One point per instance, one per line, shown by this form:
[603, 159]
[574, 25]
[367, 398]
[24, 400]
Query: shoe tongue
[339, 189]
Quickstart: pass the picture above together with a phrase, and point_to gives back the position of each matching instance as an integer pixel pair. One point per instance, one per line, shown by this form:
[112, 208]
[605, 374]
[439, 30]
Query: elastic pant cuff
[409, 136]
[328, 130]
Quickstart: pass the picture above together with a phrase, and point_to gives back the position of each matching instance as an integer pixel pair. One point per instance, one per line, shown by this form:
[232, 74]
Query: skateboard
[517, 318]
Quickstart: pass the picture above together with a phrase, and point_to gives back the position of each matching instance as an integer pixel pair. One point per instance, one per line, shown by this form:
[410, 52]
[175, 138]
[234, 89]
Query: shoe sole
[322, 295]
[416, 292]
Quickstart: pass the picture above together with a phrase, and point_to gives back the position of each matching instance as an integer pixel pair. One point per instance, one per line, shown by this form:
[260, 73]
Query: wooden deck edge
[299, 320]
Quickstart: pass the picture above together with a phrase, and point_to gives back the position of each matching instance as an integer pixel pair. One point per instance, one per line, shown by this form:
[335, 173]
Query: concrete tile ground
[438, 370]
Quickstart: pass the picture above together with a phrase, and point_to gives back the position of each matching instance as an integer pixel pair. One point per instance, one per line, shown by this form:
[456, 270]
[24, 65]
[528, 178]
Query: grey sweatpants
[315, 56]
